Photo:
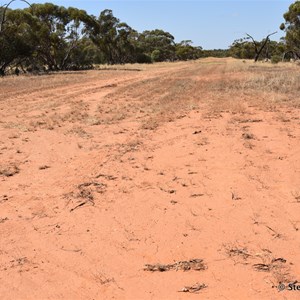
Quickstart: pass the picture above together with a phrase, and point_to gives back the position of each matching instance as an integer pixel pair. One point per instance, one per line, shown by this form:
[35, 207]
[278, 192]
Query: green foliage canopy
[292, 28]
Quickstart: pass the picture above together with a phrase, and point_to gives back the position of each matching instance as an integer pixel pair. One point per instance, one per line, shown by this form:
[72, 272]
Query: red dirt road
[104, 172]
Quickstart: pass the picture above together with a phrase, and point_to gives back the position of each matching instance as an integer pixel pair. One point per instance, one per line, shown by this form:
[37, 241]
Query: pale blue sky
[210, 24]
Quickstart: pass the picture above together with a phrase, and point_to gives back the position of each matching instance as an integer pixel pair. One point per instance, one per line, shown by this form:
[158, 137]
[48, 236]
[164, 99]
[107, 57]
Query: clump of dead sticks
[86, 192]
[186, 265]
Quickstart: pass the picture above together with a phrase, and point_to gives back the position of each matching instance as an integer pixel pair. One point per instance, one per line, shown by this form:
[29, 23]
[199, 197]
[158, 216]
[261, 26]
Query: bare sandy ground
[172, 181]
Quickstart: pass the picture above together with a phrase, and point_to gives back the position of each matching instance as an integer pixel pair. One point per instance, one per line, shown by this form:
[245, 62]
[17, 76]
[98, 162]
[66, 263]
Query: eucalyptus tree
[17, 38]
[60, 30]
[3, 10]
[242, 48]
[115, 39]
[159, 44]
[185, 50]
[292, 29]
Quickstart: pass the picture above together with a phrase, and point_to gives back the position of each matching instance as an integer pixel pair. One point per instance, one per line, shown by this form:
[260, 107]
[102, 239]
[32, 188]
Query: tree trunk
[258, 51]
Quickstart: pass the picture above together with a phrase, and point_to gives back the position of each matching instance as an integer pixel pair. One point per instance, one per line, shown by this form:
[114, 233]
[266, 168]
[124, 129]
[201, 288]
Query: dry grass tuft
[237, 252]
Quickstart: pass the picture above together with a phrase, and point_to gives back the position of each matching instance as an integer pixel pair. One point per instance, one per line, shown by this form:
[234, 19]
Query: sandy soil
[171, 181]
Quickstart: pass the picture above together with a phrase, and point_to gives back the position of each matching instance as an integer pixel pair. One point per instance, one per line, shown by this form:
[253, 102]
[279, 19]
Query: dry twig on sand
[196, 288]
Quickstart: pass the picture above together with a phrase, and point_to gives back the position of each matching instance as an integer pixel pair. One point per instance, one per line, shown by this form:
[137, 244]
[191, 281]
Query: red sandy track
[103, 182]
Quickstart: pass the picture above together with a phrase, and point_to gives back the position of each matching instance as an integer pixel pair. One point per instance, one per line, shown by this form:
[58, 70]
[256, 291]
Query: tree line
[50, 38]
